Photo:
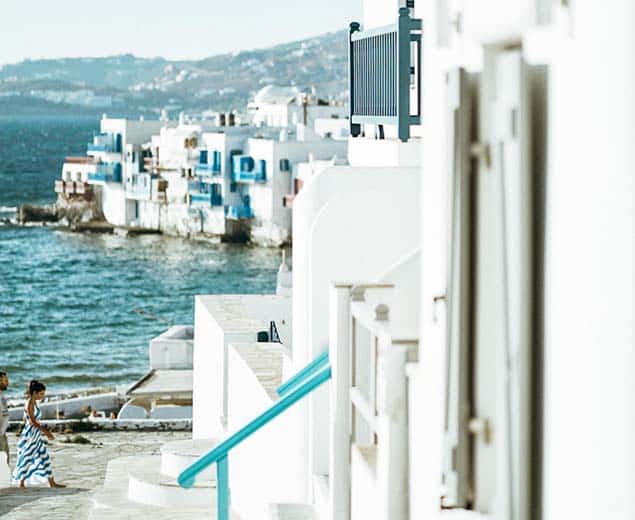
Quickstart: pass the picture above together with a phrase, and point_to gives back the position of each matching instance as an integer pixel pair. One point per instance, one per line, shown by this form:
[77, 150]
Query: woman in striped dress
[34, 464]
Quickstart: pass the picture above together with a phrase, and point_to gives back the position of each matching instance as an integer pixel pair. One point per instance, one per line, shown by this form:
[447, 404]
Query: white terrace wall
[267, 467]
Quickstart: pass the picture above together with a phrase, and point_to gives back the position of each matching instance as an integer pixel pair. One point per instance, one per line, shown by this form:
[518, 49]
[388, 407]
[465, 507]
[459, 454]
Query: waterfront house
[100, 177]
[461, 310]
[263, 174]
[73, 184]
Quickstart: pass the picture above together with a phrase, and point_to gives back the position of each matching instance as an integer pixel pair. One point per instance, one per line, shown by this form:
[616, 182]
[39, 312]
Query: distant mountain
[131, 86]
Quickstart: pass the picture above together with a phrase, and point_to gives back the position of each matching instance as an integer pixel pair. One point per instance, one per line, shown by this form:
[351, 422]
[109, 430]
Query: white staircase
[302, 511]
[147, 485]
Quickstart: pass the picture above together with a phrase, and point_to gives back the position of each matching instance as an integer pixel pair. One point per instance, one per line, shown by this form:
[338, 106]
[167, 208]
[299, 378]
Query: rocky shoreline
[86, 217]
[63, 213]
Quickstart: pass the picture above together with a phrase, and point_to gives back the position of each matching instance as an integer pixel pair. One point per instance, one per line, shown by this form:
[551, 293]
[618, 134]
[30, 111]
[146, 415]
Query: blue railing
[246, 169]
[106, 172]
[205, 170]
[92, 147]
[381, 74]
[207, 199]
[316, 365]
[105, 142]
[220, 453]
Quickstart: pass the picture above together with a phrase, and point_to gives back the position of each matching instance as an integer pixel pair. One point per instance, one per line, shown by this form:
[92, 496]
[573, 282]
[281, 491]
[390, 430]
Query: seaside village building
[288, 106]
[459, 313]
[212, 178]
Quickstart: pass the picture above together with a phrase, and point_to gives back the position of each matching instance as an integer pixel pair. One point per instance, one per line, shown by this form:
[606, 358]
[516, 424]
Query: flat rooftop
[239, 312]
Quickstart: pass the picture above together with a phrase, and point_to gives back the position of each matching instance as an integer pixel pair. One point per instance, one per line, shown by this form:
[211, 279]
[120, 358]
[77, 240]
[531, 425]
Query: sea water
[78, 310]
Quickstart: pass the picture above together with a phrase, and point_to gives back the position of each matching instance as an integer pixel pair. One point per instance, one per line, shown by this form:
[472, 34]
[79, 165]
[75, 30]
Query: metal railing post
[403, 74]
[355, 128]
[222, 483]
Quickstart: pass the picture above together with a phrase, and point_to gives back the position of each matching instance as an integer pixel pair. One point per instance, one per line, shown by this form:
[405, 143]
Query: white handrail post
[392, 432]
[340, 420]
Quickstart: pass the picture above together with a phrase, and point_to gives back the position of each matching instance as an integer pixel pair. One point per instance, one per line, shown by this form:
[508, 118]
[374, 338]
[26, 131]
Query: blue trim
[188, 475]
[315, 365]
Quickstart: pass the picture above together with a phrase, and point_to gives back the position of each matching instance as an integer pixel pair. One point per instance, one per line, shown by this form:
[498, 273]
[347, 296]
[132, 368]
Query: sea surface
[77, 311]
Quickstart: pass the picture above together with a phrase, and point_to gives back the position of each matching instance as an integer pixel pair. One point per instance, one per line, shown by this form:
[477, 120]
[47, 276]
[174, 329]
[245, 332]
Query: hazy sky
[172, 29]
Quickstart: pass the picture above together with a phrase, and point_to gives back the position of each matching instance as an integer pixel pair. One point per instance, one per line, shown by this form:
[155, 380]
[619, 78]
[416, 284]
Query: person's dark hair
[2, 374]
[34, 387]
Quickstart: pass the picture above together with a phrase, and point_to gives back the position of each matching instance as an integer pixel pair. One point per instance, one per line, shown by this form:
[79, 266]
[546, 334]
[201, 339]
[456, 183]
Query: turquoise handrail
[219, 454]
[317, 364]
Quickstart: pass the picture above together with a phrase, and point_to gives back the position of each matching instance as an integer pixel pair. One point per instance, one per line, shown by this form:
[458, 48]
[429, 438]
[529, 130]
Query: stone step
[292, 512]
[178, 455]
[113, 504]
[146, 485]
[112, 501]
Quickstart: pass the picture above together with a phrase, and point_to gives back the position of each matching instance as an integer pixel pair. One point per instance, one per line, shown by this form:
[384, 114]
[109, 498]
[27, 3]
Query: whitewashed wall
[589, 291]
[384, 152]
[114, 203]
[267, 467]
[589, 392]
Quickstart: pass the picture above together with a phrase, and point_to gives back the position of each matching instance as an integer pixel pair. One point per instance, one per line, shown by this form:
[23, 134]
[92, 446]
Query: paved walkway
[82, 468]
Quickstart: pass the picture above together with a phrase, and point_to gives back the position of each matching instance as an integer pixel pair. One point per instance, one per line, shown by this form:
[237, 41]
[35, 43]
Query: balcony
[105, 142]
[92, 147]
[204, 168]
[383, 75]
[207, 170]
[247, 170]
[206, 199]
[106, 172]
[68, 188]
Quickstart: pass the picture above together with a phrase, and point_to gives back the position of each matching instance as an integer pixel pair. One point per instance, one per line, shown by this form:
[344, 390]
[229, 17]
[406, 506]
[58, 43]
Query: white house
[279, 106]
[264, 174]
[108, 151]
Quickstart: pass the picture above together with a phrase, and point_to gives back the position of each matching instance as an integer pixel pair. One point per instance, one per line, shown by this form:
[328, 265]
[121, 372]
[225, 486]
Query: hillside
[129, 85]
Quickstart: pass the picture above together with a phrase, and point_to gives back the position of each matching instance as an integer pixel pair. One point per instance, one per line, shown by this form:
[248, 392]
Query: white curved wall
[114, 203]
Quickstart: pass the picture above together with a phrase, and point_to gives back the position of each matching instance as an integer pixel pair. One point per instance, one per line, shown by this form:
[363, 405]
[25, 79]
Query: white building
[108, 149]
[288, 106]
[189, 178]
[73, 184]
[263, 175]
[176, 208]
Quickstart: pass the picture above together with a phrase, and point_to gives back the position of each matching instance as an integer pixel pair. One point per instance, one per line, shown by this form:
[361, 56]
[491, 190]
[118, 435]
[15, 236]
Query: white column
[340, 417]
[392, 433]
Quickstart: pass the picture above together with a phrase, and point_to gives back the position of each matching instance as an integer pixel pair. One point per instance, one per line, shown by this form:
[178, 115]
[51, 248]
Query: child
[34, 464]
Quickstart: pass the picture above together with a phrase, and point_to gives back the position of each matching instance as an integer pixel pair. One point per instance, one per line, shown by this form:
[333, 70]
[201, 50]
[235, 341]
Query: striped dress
[33, 464]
